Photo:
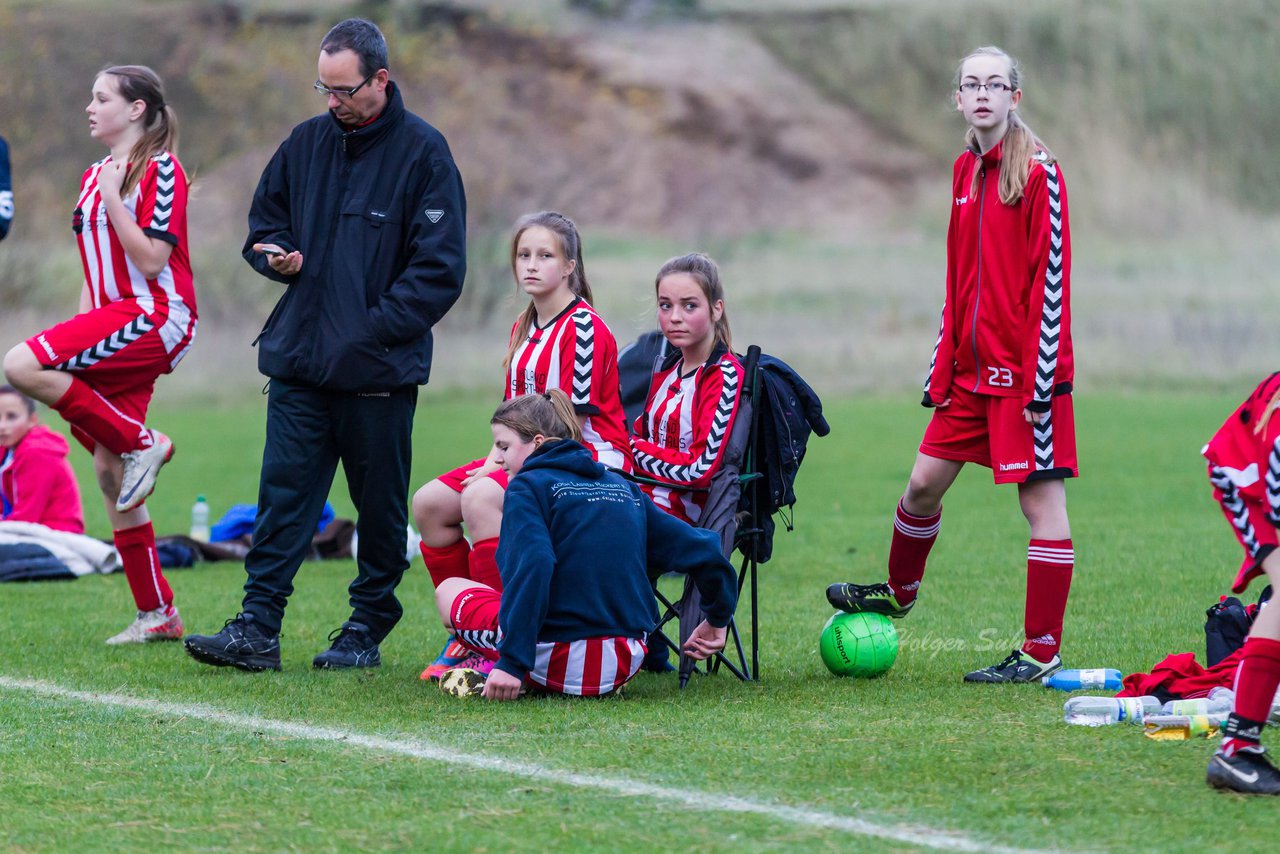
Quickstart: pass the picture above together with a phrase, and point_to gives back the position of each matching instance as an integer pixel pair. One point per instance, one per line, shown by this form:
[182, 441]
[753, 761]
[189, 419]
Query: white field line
[421, 749]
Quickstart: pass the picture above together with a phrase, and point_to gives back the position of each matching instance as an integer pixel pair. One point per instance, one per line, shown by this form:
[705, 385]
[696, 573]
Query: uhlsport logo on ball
[861, 645]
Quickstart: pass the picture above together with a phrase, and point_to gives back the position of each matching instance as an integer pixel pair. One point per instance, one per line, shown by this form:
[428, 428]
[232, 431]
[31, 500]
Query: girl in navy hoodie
[574, 551]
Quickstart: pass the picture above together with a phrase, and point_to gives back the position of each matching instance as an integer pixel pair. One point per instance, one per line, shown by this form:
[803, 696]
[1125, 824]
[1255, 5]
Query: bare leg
[437, 511]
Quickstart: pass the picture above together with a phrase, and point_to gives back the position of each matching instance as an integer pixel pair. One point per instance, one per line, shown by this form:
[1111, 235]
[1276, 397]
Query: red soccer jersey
[159, 205]
[683, 432]
[1244, 468]
[577, 354]
[1006, 322]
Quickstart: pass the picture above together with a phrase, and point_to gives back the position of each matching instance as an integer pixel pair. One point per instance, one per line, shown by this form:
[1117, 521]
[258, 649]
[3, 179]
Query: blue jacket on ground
[379, 215]
[575, 549]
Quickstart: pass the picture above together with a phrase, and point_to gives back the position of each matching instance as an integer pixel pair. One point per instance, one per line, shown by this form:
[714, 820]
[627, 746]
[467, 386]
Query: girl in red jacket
[557, 342]
[999, 383]
[693, 397]
[137, 320]
[1244, 468]
[36, 481]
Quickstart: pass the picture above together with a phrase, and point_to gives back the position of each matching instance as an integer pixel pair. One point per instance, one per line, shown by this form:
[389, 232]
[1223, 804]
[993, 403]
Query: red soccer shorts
[116, 349]
[589, 667]
[453, 479]
[992, 431]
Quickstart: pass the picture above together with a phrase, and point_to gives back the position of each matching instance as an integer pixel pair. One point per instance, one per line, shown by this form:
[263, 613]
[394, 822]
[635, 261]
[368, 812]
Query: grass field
[105, 748]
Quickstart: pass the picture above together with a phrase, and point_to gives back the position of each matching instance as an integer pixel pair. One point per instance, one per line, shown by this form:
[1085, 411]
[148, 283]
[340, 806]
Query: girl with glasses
[1000, 380]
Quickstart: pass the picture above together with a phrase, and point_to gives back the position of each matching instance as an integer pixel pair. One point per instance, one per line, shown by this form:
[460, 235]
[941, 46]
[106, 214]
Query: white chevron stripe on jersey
[480, 638]
[1045, 554]
[715, 438]
[933, 360]
[1042, 436]
[583, 355]
[1273, 483]
[1051, 311]
[109, 346]
[1236, 509]
[165, 179]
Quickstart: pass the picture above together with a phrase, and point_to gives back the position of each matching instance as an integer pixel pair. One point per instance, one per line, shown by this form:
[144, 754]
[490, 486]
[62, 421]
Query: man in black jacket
[361, 215]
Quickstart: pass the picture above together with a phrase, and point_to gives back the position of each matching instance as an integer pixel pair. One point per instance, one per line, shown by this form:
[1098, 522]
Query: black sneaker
[1248, 771]
[870, 598]
[351, 646]
[1018, 667]
[240, 644]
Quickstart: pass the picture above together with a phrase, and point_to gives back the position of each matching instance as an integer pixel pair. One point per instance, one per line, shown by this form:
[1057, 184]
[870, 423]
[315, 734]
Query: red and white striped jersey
[1244, 468]
[576, 353]
[681, 436]
[159, 205]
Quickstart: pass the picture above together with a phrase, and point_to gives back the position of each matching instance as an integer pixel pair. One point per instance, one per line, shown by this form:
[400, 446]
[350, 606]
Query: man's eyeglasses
[343, 93]
[973, 88]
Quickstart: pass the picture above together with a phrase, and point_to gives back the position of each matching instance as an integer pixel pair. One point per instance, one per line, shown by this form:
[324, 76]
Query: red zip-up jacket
[1006, 322]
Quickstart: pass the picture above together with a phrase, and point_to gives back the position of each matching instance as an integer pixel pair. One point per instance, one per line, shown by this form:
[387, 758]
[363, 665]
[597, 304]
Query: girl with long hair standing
[137, 320]
[1000, 380]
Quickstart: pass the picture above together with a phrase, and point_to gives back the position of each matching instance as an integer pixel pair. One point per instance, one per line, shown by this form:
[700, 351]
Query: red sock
[141, 562]
[447, 562]
[913, 537]
[1049, 565]
[1257, 678]
[107, 426]
[484, 567]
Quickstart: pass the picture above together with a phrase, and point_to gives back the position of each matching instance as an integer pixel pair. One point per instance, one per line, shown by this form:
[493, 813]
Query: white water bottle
[200, 520]
[1219, 700]
[1100, 711]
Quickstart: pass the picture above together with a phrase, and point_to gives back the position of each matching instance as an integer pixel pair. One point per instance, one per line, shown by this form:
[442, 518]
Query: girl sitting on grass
[558, 342]
[576, 607]
[36, 481]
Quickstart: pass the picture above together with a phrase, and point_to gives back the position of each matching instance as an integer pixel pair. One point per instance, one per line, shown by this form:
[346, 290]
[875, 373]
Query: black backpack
[787, 411]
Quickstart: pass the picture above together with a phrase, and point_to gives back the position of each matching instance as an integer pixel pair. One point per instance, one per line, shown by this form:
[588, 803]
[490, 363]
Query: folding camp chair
[732, 511]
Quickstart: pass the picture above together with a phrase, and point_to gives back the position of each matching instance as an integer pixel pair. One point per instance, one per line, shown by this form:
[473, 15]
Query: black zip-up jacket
[379, 215]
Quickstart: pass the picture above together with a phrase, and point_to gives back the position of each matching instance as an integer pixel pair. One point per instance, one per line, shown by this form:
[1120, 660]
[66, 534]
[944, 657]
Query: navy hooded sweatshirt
[575, 553]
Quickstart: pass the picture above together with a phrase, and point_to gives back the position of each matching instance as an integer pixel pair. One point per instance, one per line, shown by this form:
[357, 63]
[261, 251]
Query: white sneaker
[161, 624]
[140, 470]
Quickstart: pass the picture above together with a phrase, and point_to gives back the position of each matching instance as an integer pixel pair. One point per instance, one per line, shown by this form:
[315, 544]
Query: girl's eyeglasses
[974, 88]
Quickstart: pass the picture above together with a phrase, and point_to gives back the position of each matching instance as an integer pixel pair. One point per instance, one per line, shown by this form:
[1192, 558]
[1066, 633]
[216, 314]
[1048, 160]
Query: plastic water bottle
[200, 520]
[1074, 680]
[1100, 711]
[1183, 727]
[1219, 701]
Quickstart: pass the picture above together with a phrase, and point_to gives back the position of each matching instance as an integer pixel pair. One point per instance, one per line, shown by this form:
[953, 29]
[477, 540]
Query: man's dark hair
[361, 37]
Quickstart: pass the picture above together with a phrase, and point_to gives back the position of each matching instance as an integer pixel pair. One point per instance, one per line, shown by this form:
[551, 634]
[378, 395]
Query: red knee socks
[102, 422]
[1049, 566]
[484, 567]
[1256, 681]
[913, 537]
[141, 563]
[448, 562]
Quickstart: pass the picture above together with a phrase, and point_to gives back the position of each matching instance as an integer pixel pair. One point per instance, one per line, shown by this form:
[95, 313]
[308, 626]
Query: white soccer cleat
[140, 470]
[161, 624]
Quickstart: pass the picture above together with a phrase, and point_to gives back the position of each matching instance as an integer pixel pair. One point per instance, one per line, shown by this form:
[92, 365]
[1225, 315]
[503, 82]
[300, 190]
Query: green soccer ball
[860, 645]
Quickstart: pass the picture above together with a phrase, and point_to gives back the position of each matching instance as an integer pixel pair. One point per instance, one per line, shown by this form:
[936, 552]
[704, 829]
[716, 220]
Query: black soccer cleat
[240, 644]
[867, 598]
[1017, 668]
[1248, 771]
[351, 646]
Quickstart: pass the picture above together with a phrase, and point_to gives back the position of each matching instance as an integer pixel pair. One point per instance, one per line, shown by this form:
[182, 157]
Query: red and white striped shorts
[590, 667]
